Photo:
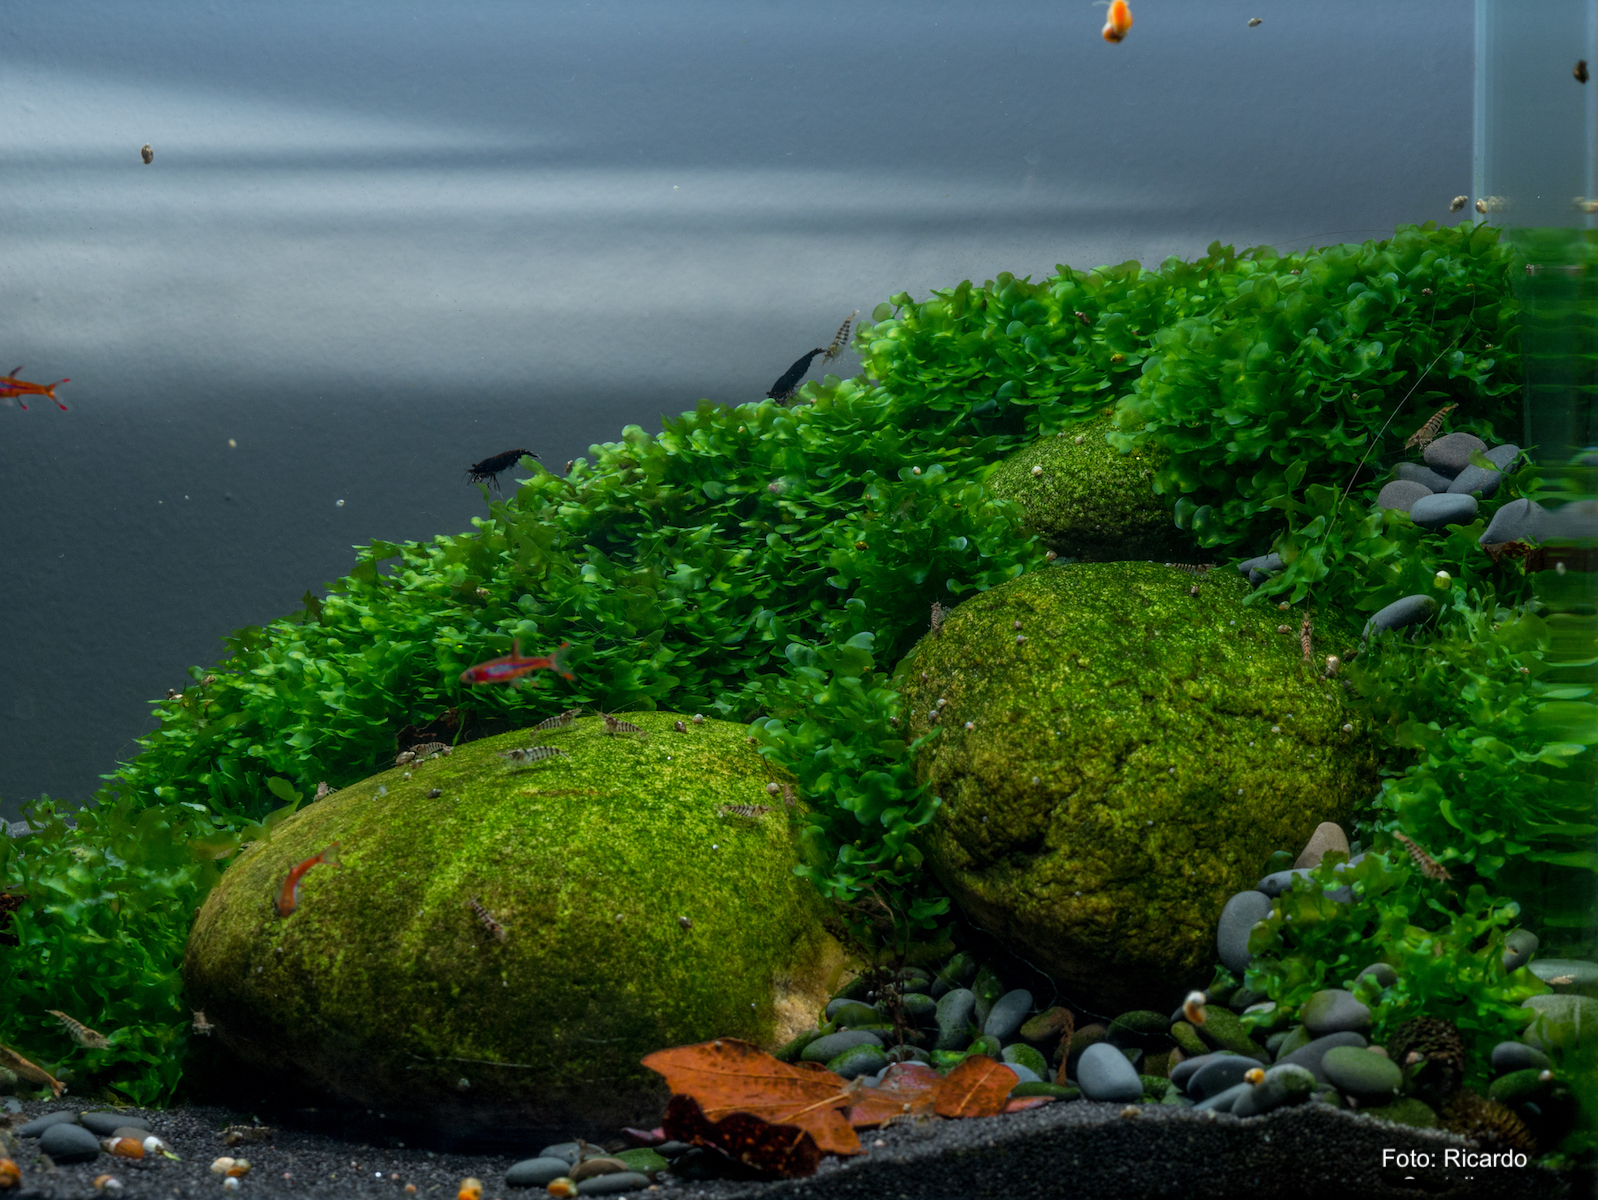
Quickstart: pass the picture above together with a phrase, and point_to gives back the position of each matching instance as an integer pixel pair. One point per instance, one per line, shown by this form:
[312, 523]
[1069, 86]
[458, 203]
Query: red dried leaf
[1025, 1102]
[774, 1149]
[978, 1087]
[907, 1090]
[732, 1076]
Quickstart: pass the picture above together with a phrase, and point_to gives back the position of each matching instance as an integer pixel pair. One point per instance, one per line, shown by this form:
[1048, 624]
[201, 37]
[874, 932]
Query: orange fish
[514, 666]
[289, 897]
[1119, 21]
[11, 386]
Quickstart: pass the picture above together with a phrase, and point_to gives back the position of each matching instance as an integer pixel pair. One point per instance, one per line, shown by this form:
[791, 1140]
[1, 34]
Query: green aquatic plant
[1444, 942]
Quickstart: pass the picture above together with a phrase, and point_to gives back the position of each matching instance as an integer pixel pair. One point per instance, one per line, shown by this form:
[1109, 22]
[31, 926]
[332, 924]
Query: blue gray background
[380, 241]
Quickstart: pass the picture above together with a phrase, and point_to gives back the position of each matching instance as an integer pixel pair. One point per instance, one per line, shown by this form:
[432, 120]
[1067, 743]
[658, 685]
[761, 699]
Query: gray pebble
[1518, 521]
[1385, 975]
[1441, 511]
[1479, 479]
[1218, 1074]
[852, 1012]
[906, 1054]
[864, 1059]
[1361, 1074]
[1278, 882]
[570, 1151]
[828, 1048]
[1282, 1086]
[1450, 454]
[104, 1124]
[1517, 1056]
[954, 1015]
[39, 1124]
[1265, 564]
[1335, 1011]
[69, 1143]
[1400, 613]
[1309, 1056]
[1430, 479]
[1183, 1071]
[1569, 972]
[616, 1181]
[1008, 1014]
[1401, 494]
[1242, 912]
[536, 1172]
[1025, 1074]
[1519, 946]
[1223, 1101]
[1103, 1073]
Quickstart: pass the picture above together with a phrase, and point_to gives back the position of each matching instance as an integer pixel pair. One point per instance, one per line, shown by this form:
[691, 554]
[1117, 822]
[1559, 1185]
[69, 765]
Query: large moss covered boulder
[1117, 766]
[637, 911]
[1089, 501]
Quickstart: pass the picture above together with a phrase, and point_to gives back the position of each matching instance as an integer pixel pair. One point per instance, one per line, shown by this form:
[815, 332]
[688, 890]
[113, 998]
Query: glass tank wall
[653, 592]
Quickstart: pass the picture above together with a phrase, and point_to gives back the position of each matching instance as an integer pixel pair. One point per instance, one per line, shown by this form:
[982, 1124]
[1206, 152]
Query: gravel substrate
[1077, 1149]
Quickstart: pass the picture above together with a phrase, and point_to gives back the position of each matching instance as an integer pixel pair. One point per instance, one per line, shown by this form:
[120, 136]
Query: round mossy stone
[1187, 1039]
[1090, 501]
[1109, 783]
[1361, 1074]
[1141, 1027]
[1224, 1030]
[635, 918]
[1026, 1056]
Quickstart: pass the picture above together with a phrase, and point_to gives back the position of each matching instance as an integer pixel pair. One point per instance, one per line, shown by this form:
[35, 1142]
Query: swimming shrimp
[490, 468]
[11, 387]
[840, 340]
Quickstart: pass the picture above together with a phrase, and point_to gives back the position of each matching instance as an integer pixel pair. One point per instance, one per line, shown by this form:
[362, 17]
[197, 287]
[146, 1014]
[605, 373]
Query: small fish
[514, 666]
[201, 1026]
[938, 613]
[1118, 22]
[289, 897]
[1427, 433]
[487, 918]
[560, 721]
[1579, 71]
[80, 1032]
[491, 467]
[1306, 638]
[752, 811]
[788, 383]
[533, 753]
[614, 726]
[1458, 203]
[1560, 980]
[11, 386]
[839, 339]
[147, 154]
[430, 750]
[10, 1059]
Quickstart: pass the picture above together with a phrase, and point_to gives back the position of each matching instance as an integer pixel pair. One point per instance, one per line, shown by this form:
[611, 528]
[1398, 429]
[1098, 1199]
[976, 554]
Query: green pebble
[1044, 1029]
[1155, 1086]
[945, 1060]
[1407, 1111]
[855, 1015]
[1280, 860]
[1517, 1087]
[1061, 1091]
[1150, 1030]
[791, 1051]
[987, 989]
[1158, 1064]
[855, 989]
[984, 1045]
[1223, 1030]
[958, 970]
[1187, 1039]
[1026, 1056]
[918, 1007]
[1297, 1038]
[1361, 1073]
[643, 1160]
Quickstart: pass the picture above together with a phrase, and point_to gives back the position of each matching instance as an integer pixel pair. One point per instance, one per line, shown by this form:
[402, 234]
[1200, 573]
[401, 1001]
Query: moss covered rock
[1109, 781]
[636, 916]
[1088, 500]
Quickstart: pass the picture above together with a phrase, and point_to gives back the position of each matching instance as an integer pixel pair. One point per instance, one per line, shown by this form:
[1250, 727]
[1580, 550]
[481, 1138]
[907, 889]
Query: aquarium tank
[701, 599]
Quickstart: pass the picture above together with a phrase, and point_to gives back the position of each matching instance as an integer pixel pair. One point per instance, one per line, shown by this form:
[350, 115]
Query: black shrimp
[789, 383]
[490, 468]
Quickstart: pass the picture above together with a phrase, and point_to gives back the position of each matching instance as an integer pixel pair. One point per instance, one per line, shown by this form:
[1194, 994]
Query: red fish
[514, 666]
[1119, 21]
[11, 386]
[289, 897]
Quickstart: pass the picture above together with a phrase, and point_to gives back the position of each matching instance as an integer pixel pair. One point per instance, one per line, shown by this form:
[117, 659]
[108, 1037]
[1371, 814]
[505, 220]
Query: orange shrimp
[11, 386]
[1119, 21]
